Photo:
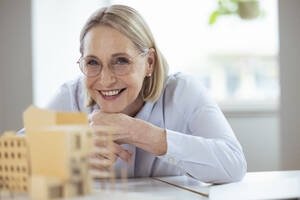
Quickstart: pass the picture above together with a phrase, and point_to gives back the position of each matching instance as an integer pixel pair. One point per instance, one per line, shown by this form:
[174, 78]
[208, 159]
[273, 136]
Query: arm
[215, 156]
[211, 153]
[200, 140]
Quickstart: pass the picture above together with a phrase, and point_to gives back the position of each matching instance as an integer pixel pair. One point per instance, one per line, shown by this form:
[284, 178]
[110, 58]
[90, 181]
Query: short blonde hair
[129, 22]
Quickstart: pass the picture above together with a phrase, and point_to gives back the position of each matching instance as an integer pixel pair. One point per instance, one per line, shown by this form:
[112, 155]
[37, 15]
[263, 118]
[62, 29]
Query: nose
[107, 78]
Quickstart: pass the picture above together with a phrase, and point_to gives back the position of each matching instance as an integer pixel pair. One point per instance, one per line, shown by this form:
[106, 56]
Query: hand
[106, 153]
[127, 130]
[117, 124]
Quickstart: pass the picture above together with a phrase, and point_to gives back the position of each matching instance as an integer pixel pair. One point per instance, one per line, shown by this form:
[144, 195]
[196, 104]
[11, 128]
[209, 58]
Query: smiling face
[115, 93]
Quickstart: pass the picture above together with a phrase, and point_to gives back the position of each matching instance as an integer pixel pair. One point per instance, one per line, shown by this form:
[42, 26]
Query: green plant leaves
[246, 9]
[213, 17]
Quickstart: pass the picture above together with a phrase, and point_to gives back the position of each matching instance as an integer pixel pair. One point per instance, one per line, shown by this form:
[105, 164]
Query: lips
[111, 94]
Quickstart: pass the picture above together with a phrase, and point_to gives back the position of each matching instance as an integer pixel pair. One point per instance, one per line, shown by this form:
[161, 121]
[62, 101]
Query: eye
[121, 61]
[92, 62]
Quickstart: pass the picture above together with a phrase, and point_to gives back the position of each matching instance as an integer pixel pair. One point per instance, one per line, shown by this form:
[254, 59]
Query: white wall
[15, 62]
[289, 34]
[271, 141]
[56, 29]
[258, 133]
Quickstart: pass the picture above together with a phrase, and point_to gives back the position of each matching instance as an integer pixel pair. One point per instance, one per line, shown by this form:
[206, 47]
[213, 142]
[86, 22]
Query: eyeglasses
[120, 65]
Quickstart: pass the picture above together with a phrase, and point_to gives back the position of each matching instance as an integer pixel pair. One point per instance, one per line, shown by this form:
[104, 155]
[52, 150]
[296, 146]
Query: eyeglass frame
[100, 68]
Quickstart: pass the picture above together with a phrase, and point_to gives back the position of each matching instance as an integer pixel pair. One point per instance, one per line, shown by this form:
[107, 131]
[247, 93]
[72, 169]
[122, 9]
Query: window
[75, 171]
[77, 142]
[236, 59]
[55, 191]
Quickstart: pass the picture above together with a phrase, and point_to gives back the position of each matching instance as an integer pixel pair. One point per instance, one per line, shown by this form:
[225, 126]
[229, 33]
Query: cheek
[137, 79]
[136, 84]
[89, 84]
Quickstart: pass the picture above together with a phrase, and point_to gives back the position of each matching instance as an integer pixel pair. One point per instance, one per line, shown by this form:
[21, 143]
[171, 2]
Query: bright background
[236, 59]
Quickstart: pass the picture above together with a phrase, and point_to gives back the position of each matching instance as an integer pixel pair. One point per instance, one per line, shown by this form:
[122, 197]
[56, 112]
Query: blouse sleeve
[209, 150]
[61, 101]
[69, 97]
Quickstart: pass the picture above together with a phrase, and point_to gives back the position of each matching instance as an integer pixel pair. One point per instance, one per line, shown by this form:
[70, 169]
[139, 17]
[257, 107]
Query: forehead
[104, 41]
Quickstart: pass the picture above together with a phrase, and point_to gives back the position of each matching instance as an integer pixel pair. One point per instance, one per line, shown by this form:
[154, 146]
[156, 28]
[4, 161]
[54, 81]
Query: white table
[149, 188]
[255, 185]
[261, 185]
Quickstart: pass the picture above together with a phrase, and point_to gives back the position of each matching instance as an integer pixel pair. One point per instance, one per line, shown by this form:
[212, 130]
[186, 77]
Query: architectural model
[14, 163]
[51, 160]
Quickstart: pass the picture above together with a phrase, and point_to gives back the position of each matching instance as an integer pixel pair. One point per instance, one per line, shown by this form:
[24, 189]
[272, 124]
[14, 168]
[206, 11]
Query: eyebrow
[113, 55]
[92, 56]
[119, 54]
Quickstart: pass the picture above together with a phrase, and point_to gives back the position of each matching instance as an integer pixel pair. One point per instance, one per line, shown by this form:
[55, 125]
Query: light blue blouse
[200, 142]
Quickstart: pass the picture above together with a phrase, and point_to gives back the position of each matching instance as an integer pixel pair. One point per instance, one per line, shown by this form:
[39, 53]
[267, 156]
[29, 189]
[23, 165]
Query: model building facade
[52, 159]
[14, 163]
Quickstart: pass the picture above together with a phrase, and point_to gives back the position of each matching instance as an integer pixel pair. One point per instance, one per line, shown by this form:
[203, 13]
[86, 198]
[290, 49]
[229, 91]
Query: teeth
[110, 93]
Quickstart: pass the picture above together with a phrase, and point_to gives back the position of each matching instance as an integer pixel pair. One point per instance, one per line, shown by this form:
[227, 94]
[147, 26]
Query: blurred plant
[246, 9]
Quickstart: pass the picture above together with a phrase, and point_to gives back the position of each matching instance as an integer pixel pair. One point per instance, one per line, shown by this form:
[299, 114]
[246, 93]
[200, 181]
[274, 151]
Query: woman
[164, 125]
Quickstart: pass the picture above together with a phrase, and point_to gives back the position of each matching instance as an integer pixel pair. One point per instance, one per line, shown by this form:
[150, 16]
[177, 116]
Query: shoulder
[186, 88]
[179, 80]
[72, 85]
[68, 96]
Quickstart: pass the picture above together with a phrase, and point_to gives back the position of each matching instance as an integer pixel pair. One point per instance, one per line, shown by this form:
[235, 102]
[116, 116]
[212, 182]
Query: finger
[90, 116]
[106, 153]
[97, 167]
[130, 153]
[97, 156]
[101, 142]
[97, 174]
[100, 164]
[114, 151]
[122, 153]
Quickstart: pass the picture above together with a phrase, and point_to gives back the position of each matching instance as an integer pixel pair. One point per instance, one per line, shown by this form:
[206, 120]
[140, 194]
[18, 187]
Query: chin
[111, 109]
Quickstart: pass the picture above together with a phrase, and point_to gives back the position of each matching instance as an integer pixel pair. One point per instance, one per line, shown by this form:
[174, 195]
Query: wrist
[163, 147]
[149, 137]
[136, 133]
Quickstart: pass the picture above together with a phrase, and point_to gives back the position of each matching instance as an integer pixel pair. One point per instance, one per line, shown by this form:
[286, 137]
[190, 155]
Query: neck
[135, 107]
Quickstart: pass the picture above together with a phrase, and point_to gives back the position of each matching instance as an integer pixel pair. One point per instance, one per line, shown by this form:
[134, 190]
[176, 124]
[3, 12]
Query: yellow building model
[14, 163]
[51, 160]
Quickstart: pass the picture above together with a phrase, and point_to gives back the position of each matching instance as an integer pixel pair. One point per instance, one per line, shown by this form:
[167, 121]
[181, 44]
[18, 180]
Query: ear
[151, 59]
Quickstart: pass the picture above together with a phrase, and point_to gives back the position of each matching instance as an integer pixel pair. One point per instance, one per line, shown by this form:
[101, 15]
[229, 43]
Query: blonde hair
[129, 22]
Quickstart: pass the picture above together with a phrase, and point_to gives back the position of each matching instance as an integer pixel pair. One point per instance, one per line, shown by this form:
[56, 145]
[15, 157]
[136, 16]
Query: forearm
[149, 137]
[213, 160]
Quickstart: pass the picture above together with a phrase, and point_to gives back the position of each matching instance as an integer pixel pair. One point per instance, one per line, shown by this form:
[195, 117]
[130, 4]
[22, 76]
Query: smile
[111, 93]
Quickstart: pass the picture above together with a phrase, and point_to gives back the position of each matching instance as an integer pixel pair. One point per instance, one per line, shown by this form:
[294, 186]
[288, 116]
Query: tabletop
[255, 185]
